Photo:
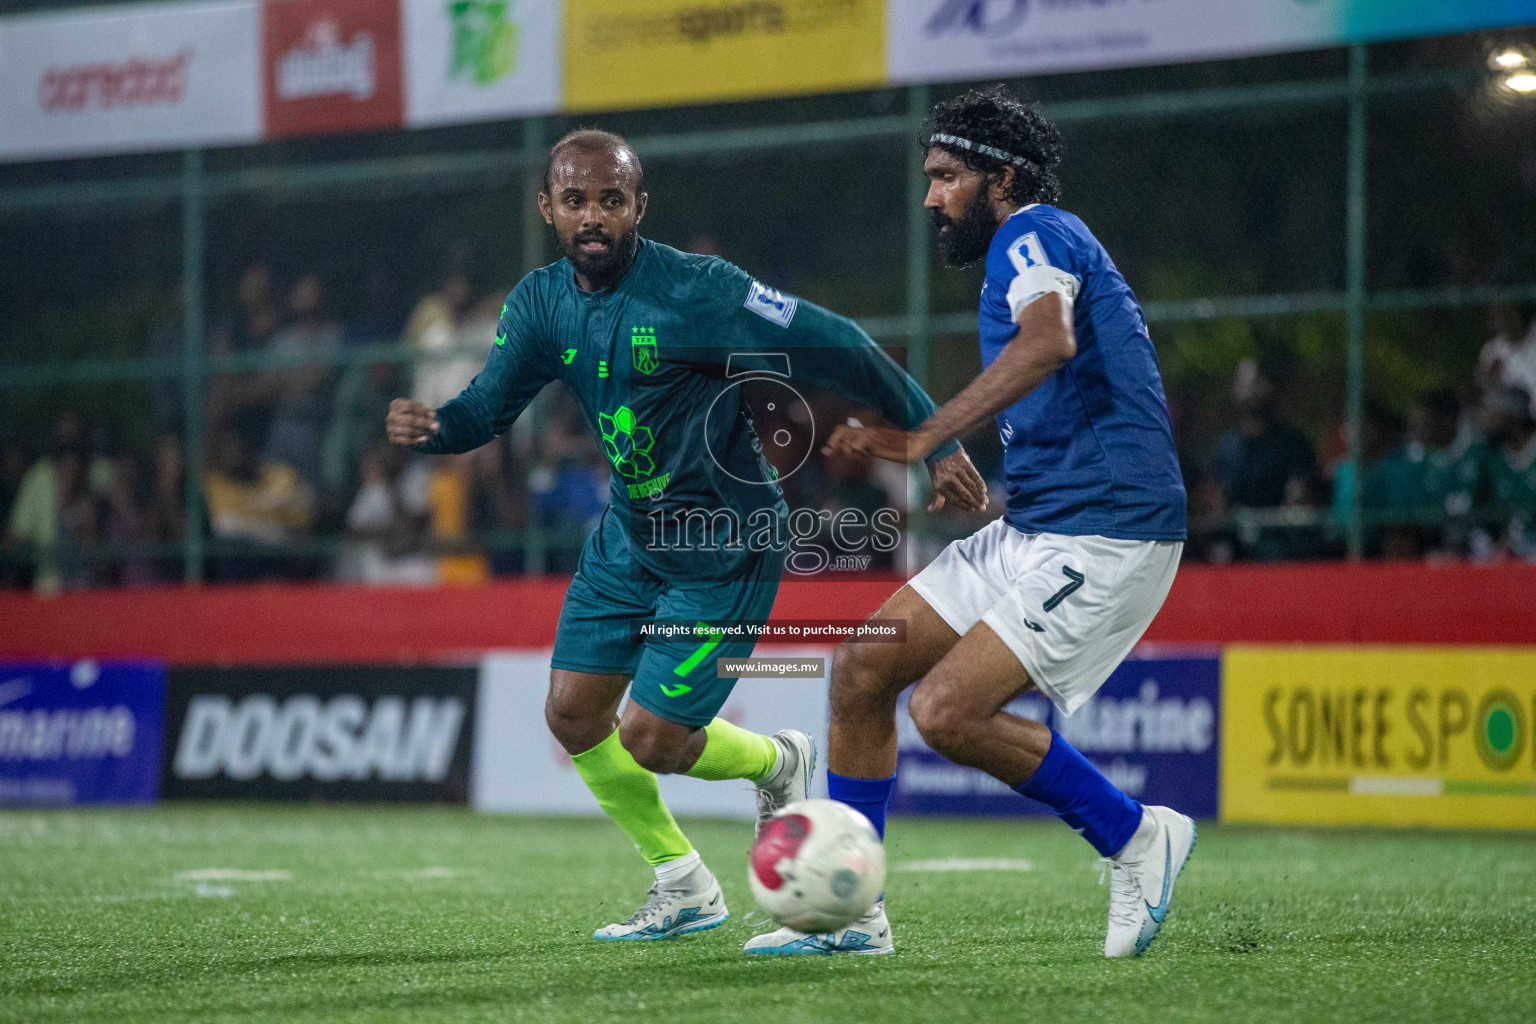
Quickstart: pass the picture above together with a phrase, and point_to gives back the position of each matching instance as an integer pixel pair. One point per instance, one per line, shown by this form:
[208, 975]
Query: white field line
[233, 875]
[964, 864]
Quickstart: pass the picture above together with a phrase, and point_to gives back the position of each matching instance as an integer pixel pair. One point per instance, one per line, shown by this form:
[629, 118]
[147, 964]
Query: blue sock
[867, 796]
[1083, 798]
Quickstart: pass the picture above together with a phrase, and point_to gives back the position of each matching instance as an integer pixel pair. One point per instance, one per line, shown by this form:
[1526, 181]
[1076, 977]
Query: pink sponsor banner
[158, 76]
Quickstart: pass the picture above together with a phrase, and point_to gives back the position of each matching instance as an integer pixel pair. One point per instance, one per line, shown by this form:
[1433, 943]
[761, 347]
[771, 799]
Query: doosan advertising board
[320, 732]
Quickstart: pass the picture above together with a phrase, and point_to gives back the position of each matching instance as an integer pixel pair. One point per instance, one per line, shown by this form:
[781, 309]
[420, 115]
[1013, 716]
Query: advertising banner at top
[330, 66]
[646, 53]
[1380, 736]
[470, 60]
[933, 40]
[159, 76]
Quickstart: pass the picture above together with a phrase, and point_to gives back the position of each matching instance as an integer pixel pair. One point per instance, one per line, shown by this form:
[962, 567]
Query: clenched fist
[409, 423]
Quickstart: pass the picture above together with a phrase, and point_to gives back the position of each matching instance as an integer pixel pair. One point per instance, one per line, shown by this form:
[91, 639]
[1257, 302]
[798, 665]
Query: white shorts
[1069, 608]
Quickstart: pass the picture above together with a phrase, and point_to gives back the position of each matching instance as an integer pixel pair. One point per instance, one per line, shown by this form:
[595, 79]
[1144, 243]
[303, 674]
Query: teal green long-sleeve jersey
[653, 363]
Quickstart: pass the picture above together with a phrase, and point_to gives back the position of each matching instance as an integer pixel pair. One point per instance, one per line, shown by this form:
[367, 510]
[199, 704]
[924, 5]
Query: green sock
[731, 752]
[628, 794]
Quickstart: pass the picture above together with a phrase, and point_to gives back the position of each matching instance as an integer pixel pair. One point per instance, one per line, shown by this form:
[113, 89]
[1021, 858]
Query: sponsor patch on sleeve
[770, 304]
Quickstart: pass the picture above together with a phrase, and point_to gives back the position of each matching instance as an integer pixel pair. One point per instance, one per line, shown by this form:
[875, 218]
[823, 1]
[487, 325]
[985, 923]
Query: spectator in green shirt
[1450, 471]
[1388, 488]
[1512, 466]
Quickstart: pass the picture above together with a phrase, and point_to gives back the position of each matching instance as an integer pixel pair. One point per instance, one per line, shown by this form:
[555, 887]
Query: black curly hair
[996, 118]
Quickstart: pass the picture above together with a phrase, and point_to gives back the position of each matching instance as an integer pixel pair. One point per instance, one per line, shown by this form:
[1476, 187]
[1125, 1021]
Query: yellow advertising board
[1379, 735]
[645, 53]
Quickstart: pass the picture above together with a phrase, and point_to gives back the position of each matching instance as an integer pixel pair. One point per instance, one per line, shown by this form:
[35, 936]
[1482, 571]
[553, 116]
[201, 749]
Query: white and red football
[817, 866]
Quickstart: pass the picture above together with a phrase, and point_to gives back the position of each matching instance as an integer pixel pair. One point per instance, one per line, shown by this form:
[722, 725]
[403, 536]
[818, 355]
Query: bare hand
[409, 423]
[955, 478]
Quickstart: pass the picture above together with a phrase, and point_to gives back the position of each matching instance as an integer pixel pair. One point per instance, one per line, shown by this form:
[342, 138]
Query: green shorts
[673, 678]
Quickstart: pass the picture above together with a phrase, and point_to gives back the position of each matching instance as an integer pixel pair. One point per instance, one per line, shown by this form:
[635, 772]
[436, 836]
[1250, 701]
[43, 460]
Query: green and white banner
[478, 60]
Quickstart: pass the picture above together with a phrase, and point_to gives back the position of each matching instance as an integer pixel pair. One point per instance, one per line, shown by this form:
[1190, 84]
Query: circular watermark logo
[783, 419]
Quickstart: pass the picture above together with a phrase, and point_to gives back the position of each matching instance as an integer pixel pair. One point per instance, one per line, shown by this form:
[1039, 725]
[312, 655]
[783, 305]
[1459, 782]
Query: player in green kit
[644, 337]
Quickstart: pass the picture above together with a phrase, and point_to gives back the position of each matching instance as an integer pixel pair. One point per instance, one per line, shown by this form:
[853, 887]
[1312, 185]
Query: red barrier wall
[1322, 603]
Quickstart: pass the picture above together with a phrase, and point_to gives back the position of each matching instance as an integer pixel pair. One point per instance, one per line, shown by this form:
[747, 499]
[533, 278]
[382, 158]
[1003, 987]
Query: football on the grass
[817, 866]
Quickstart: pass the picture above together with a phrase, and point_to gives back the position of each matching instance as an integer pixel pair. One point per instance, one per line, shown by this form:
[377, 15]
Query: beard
[963, 240]
[606, 267]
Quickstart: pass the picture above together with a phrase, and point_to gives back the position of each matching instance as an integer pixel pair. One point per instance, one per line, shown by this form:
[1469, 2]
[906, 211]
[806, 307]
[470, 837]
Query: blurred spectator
[1265, 462]
[126, 524]
[242, 401]
[33, 526]
[1387, 488]
[378, 320]
[567, 485]
[13, 468]
[851, 485]
[440, 324]
[46, 515]
[388, 521]
[166, 515]
[498, 501]
[167, 341]
[1508, 359]
[1512, 466]
[301, 394]
[261, 505]
[1449, 471]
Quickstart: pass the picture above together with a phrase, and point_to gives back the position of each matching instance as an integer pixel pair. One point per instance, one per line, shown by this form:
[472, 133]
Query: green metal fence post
[919, 264]
[193, 406]
[1354, 313]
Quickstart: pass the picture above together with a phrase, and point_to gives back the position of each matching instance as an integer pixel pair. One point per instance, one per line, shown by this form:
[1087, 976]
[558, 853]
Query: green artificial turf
[407, 914]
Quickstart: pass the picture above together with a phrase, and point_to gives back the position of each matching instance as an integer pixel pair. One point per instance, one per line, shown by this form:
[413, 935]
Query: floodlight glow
[1523, 82]
[1509, 59]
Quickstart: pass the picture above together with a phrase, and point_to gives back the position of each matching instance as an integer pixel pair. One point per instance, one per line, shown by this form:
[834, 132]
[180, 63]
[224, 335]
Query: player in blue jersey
[1053, 595]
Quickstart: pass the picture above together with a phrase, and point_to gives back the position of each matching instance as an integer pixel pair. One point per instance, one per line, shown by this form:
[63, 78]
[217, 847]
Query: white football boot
[695, 905]
[790, 780]
[870, 935]
[1141, 880]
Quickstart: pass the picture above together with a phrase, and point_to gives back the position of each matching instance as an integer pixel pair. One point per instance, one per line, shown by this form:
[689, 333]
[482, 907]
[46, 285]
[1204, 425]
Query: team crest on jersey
[770, 304]
[642, 348]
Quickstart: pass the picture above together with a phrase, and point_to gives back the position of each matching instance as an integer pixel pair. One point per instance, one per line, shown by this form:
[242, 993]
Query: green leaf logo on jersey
[627, 443]
[642, 346]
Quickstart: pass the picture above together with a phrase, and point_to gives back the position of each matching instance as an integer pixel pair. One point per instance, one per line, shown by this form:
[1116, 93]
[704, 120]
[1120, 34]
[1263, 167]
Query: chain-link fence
[198, 348]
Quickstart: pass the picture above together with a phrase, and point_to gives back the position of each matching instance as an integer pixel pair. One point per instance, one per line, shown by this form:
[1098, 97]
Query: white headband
[976, 147]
